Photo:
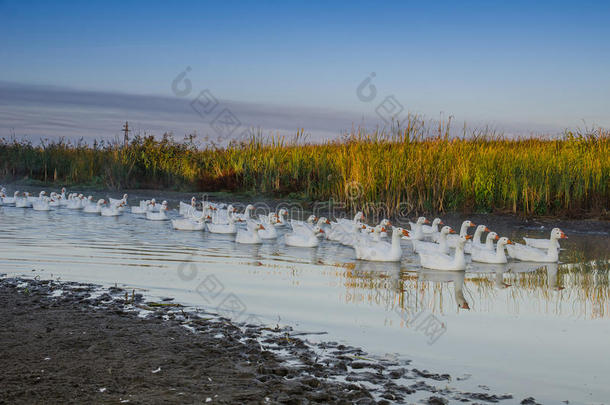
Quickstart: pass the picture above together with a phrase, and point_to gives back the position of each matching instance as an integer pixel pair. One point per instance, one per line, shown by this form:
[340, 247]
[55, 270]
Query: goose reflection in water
[440, 277]
[498, 270]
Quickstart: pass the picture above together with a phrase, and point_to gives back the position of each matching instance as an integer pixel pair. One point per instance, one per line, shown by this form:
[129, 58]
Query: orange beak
[468, 236]
[465, 306]
[451, 231]
[426, 222]
[382, 229]
[321, 231]
[328, 222]
[563, 236]
[509, 242]
[497, 237]
[487, 229]
[261, 227]
[405, 232]
[441, 223]
[363, 227]
[473, 224]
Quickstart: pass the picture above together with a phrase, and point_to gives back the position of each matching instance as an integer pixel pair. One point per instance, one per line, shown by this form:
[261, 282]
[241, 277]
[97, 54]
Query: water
[540, 330]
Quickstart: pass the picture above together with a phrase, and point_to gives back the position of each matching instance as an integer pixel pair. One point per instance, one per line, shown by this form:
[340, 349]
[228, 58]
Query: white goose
[186, 210]
[152, 215]
[475, 242]
[228, 228]
[441, 261]
[42, 204]
[188, 224]
[23, 201]
[55, 200]
[453, 239]
[63, 200]
[381, 251]
[531, 254]
[432, 230]
[77, 202]
[542, 243]
[489, 256]
[269, 222]
[142, 208]
[94, 208]
[247, 214]
[282, 216]
[311, 220]
[32, 199]
[121, 203]
[250, 235]
[11, 200]
[113, 210]
[417, 230]
[440, 247]
[303, 236]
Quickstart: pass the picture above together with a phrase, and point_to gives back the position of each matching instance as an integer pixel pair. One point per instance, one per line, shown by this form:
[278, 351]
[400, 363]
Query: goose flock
[440, 249]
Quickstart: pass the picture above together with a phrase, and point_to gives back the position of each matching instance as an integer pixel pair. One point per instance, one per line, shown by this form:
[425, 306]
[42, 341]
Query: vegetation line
[400, 170]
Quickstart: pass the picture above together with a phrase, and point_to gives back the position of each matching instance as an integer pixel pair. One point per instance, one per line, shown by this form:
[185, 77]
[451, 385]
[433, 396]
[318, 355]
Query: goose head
[164, 205]
[465, 225]
[100, 202]
[505, 241]
[193, 201]
[312, 219]
[260, 227]
[445, 230]
[437, 222]
[249, 208]
[323, 220]
[63, 190]
[125, 197]
[283, 212]
[398, 232]
[557, 233]
[16, 194]
[42, 194]
[90, 198]
[359, 216]
[463, 239]
[422, 220]
[491, 236]
[479, 231]
[385, 223]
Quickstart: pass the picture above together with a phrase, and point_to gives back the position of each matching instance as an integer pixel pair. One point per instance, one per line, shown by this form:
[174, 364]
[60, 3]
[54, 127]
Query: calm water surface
[540, 330]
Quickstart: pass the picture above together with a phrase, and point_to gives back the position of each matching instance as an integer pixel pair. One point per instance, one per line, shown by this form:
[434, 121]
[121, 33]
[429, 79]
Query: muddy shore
[68, 342]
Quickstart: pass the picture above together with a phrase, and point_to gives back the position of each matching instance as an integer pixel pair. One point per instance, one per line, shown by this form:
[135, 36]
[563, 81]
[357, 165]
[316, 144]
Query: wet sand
[66, 342]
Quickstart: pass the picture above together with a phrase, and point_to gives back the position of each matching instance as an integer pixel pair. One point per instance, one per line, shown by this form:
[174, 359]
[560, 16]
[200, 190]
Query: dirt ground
[65, 342]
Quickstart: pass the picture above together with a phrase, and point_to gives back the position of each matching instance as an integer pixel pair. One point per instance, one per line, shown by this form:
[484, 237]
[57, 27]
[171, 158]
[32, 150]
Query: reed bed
[401, 171]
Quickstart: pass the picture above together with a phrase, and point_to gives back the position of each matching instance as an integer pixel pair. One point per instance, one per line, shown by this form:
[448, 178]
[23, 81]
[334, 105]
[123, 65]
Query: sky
[72, 68]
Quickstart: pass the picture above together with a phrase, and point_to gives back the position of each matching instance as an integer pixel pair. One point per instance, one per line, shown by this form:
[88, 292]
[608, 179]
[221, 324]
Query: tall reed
[405, 169]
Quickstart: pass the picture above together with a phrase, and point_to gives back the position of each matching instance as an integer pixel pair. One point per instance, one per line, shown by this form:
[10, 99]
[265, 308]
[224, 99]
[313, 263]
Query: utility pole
[126, 131]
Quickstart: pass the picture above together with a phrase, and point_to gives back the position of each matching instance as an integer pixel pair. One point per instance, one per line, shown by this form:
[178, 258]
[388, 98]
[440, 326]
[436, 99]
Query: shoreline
[600, 221]
[109, 345]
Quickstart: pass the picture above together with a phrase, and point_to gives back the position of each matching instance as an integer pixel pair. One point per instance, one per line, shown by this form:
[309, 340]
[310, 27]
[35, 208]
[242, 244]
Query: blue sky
[519, 66]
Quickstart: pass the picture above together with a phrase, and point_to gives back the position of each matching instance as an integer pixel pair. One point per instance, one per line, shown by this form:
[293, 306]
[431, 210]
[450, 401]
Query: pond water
[539, 330]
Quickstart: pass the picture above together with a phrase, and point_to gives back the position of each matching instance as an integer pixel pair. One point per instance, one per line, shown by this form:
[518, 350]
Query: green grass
[405, 169]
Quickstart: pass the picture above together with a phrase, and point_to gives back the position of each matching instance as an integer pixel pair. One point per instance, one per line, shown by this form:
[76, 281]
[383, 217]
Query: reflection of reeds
[405, 169]
[576, 290]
